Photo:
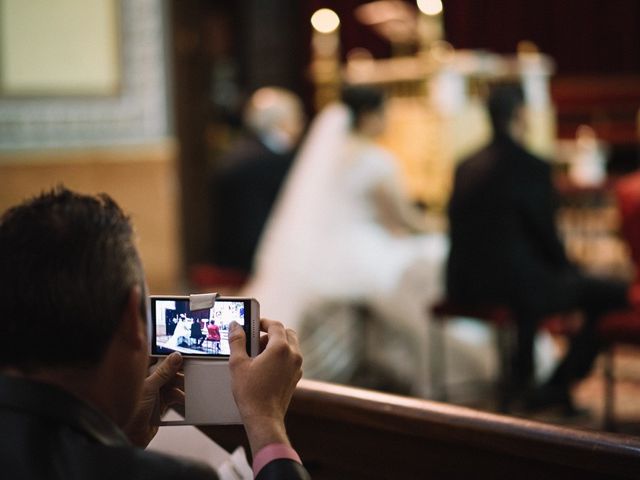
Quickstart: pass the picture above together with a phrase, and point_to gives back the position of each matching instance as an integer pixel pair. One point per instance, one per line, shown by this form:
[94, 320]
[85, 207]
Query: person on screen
[196, 332]
[171, 325]
[85, 406]
[213, 335]
[181, 334]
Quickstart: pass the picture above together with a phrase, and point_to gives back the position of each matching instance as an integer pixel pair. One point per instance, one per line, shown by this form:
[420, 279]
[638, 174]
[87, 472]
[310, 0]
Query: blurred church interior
[142, 98]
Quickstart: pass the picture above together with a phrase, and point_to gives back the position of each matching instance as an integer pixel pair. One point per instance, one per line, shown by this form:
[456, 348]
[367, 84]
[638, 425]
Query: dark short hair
[504, 101]
[68, 262]
[361, 100]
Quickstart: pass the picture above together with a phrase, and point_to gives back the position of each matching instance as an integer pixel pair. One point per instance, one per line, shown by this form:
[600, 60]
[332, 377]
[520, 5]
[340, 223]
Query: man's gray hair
[268, 106]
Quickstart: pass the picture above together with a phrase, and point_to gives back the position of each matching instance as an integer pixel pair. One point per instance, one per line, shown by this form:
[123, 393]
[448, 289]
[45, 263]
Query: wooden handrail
[346, 432]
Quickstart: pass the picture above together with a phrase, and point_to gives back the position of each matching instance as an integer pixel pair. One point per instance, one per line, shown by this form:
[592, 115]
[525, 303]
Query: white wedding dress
[327, 242]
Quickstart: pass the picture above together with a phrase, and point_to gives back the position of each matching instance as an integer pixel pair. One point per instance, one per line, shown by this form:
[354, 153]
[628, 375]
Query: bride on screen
[343, 230]
[181, 333]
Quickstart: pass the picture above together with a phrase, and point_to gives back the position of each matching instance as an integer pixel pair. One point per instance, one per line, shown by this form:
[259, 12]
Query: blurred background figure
[344, 232]
[506, 250]
[249, 176]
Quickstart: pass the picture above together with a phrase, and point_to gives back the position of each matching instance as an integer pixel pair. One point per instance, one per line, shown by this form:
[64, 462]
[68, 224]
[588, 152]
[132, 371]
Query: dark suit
[505, 249]
[244, 189]
[48, 434]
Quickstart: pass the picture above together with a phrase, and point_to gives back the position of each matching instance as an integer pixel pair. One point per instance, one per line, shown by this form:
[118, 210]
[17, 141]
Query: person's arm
[396, 209]
[379, 169]
[262, 387]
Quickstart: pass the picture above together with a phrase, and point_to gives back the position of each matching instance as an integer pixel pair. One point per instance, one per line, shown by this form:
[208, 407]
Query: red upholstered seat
[628, 195]
[499, 316]
[495, 314]
[623, 327]
[208, 277]
[502, 318]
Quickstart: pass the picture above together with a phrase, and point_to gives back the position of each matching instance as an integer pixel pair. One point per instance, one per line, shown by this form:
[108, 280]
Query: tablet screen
[199, 333]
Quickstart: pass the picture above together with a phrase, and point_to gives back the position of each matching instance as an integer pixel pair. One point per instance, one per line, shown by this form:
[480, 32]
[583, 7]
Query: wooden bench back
[344, 432]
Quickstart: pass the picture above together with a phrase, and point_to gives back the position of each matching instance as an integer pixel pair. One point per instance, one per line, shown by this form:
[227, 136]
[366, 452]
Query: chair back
[205, 277]
[628, 195]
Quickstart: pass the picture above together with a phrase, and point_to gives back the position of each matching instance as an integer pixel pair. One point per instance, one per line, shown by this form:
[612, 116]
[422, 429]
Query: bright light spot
[430, 7]
[325, 20]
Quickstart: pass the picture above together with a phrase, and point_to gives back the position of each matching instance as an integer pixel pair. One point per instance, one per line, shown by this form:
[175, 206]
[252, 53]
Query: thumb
[165, 371]
[237, 341]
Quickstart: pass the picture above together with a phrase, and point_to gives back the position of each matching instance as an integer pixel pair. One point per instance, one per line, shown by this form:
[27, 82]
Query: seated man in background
[74, 401]
[505, 249]
[196, 332]
[247, 181]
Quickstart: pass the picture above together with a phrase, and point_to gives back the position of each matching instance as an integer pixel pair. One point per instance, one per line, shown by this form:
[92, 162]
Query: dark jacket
[244, 189]
[504, 243]
[49, 434]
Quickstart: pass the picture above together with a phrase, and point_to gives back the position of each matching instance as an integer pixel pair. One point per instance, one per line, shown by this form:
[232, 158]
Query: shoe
[550, 397]
[571, 412]
[513, 395]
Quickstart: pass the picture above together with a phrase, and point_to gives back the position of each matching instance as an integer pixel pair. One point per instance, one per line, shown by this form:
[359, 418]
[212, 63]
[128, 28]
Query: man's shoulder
[534, 160]
[70, 455]
[482, 160]
[134, 463]
[78, 446]
[506, 155]
[474, 157]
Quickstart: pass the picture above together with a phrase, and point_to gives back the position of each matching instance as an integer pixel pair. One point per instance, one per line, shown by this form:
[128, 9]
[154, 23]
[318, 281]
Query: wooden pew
[349, 433]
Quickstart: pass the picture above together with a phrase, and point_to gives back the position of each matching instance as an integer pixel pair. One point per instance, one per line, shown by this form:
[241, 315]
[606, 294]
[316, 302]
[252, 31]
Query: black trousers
[594, 297]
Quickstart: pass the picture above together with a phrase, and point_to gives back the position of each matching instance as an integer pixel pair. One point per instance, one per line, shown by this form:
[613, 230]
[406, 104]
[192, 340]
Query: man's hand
[161, 390]
[263, 386]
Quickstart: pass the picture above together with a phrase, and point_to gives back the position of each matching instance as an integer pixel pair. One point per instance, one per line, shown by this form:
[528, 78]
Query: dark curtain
[583, 36]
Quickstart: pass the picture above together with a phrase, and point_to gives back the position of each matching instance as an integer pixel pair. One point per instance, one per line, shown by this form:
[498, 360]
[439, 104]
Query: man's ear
[133, 325]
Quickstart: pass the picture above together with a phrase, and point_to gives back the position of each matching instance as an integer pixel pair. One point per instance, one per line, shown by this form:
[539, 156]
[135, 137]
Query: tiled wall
[138, 113]
[120, 145]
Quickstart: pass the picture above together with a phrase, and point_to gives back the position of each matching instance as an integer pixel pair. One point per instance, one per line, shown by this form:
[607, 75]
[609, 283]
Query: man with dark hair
[505, 249]
[75, 398]
[50, 250]
[196, 332]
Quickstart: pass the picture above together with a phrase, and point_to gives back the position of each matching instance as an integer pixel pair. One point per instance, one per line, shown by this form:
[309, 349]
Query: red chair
[627, 192]
[503, 321]
[206, 277]
[623, 327]
[499, 316]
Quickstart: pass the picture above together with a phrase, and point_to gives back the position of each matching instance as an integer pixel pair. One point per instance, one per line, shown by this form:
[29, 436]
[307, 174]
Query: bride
[343, 233]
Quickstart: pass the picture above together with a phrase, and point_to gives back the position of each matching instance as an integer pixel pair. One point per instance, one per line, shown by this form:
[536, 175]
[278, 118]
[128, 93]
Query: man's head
[277, 115]
[506, 111]
[69, 264]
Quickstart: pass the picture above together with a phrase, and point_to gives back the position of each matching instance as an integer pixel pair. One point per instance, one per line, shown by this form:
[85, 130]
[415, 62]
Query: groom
[505, 249]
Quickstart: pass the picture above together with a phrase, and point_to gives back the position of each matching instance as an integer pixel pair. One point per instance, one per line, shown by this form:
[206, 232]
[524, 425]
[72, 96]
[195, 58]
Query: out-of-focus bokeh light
[325, 20]
[430, 7]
